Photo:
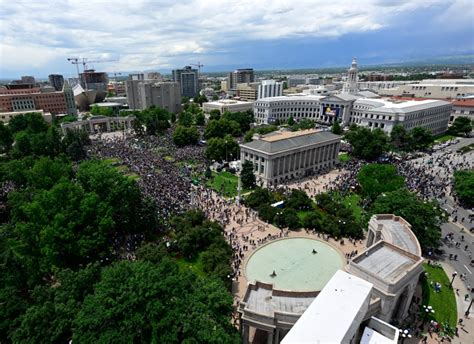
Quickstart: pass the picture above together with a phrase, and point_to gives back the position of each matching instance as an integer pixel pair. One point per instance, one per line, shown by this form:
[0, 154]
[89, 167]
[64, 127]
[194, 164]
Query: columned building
[321, 109]
[281, 156]
[100, 124]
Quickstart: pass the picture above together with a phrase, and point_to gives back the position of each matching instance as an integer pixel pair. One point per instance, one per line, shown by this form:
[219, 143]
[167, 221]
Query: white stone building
[281, 156]
[322, 109]
[229, 105]
[270, 88]
[386, 113]
[434, 88]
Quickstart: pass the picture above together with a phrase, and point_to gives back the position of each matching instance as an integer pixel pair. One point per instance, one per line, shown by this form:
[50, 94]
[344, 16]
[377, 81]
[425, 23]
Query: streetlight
[468, 311]
[404, 334]
[452, 280]
[427, 311]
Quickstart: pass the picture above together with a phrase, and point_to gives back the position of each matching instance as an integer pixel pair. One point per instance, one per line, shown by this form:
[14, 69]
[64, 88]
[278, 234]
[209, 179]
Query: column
[276, 338]
[270, 337]
[245, 334]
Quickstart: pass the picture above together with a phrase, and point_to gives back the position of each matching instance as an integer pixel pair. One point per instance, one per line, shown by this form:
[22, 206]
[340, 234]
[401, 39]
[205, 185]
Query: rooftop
[398, 232]
[330, 316]
[463, 102]
[386, 261]
[397, 105]
[281, 141]
[261, 298]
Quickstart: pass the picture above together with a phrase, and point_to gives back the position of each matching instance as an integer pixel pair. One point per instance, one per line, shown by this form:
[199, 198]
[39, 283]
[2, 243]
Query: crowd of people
[164, 177]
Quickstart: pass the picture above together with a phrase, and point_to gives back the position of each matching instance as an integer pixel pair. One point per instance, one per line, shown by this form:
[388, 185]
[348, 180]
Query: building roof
[290, 97]
[330, 316]
[370, 336]
[397, 231]
[262, 299]
[463, 102]
[393, 105]
[282, 141]
[386, 261]
[224, 102]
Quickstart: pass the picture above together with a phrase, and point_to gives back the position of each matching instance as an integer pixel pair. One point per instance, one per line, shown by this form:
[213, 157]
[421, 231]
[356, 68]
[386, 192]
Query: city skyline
[147, 35]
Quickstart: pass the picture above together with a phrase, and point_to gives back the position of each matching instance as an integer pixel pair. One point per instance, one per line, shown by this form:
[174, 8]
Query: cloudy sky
[38, 35]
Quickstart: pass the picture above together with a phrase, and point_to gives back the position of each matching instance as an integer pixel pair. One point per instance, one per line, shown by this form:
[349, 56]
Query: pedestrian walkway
[466, 328]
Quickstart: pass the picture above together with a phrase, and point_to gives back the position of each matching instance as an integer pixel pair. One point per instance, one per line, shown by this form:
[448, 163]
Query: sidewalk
[466, 332]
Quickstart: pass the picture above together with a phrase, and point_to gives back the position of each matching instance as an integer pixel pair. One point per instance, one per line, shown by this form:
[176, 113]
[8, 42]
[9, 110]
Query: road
[459, 217]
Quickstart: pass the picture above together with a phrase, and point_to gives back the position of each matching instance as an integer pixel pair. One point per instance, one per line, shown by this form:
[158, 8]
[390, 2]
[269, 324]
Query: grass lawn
[352, 201]
[194, 265]
[444, 138]
[112, 161]
[344, 157]
[444, 302]
[225, 183]
[465, 149]
[303, 213]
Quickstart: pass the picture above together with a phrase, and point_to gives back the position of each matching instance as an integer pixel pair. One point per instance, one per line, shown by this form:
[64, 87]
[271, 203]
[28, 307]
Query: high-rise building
[143, 93]
[270, 88]
[240, 76]
[57, 81]
[69, 98]
[188, 81]
[350, 86]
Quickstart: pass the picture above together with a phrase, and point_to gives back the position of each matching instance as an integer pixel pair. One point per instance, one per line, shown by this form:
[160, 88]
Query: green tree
[420, 138]
[375, 179]
[247, 176]
[199, 99]
[258, 197]
[215, 114]
[183, 136]
[298, 200]
[399, 137]
[425, 217]
[101, 111]
[55, 307]
[367, 144]
[464, 187]
[244, 119]
[141, 302]
[461, 125]
[6, 139]
[288, 218]
[173, 117]
[156, 120]
[215, 97]
[220, 149]
[267, 213]
[200, 119]
[75, 142]
[185, 119]
[336, 128]
[221, 128]
[291, 121]
[313, 220]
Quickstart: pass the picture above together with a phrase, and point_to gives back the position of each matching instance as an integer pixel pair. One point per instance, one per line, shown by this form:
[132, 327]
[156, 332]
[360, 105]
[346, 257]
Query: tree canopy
[461, 126]
[464, 186]
[367, 144]
[183, 136]
[425, 217]
[375, 179]
[247, 176]
[220, 149]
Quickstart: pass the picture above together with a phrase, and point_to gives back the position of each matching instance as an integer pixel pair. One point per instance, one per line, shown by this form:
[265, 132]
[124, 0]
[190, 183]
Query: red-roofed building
[462, 107]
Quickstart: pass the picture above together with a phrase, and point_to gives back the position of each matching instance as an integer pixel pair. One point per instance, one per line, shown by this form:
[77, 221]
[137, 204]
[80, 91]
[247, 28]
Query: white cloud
[141, 33]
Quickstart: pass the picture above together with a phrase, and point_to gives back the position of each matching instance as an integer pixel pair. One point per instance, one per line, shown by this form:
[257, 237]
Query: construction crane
[199, 65]
[84, 61]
